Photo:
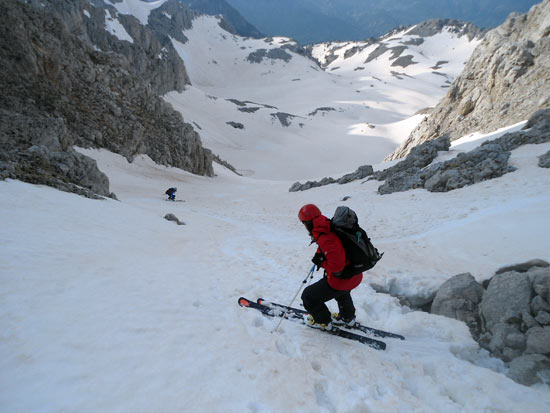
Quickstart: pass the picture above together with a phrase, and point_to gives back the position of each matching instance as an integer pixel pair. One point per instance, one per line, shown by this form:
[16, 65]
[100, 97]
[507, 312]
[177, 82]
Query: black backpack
[359, 249]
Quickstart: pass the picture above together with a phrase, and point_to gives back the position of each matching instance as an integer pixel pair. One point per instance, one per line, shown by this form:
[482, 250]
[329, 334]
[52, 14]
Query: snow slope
[342, 117]
[106, 306]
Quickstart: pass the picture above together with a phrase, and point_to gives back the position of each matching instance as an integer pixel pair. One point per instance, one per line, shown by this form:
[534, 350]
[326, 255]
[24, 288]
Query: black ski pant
[315, 296]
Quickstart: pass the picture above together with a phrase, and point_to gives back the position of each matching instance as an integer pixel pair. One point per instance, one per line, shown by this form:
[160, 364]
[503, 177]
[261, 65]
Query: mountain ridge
[504, 81]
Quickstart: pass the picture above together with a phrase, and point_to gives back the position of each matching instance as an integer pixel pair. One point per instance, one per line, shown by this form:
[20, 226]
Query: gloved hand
[318, 259]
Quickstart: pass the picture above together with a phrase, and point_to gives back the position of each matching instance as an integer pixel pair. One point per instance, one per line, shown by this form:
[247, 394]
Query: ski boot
[343, 322]
[310, 322]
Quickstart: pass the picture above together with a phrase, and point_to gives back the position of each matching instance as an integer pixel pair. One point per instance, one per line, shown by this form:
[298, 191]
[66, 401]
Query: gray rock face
[459, 298]
[506, 79]
[151, 55]
[59, 92]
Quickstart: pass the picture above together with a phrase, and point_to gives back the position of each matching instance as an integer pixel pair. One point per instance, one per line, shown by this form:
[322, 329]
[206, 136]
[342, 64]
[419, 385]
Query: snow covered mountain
[106, 306]
[250, 98]
[505, 80]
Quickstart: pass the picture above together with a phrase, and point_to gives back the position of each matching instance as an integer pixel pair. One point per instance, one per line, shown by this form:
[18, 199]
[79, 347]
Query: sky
[316, 21]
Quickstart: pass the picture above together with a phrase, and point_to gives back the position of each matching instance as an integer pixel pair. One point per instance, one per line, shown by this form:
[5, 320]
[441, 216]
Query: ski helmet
[308, 212]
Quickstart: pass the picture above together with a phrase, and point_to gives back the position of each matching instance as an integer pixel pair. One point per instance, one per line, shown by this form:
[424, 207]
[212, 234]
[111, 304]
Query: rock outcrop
[510, 318]
[360, 173]
[150, 53]
[459, 298]
[488, 161]
[505, 81]
[58, 92]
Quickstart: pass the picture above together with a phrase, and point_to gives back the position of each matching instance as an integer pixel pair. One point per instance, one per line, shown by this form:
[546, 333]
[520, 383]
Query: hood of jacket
[321, 225]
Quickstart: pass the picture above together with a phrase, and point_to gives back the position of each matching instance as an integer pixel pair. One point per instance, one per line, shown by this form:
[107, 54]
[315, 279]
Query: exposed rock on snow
[459, 298]
[173, 218]
[284, 118]
[544, 160]
[236, 125]
[435, 26]
[396, 45]
[510, 318]
[488, 161]
[360, 173]
[323, 111]
[506, 79]
[259, 55]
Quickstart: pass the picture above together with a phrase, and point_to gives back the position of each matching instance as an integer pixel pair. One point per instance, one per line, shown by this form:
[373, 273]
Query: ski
[299, 312]
[278, 312]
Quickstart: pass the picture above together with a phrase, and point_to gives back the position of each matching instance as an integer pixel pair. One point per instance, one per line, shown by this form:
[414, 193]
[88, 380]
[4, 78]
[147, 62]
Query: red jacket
[330, 245]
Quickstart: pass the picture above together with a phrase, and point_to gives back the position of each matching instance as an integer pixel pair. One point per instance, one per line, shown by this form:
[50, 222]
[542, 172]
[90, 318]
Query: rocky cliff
[505, 81]
[59, 90]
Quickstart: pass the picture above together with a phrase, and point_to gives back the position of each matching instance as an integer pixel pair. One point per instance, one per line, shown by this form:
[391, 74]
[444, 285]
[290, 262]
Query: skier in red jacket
[331, 256]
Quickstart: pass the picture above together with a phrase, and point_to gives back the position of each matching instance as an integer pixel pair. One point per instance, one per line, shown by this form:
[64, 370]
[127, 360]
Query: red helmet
[308, 212]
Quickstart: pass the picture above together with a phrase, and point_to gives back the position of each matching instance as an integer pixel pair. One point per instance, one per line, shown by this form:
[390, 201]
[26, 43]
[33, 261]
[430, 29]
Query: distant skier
[171, 192]
[331, 256]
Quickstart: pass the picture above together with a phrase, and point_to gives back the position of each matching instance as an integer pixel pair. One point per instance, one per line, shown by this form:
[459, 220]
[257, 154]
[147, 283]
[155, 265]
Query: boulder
[459, 298]
[508, 294]
[543, 318]
[540, 277]
[539, 304]
[524, 266]
[506, 336]
[530, 369]
[538, 340]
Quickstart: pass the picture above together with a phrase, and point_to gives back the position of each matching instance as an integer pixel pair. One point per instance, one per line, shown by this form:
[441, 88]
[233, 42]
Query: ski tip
[243, 302]
[260, 300]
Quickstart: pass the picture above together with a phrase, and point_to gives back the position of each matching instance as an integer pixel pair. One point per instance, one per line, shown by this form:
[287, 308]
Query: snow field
[106, 306]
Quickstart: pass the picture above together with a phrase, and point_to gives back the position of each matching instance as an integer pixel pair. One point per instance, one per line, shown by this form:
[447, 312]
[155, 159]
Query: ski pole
[310, 273]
